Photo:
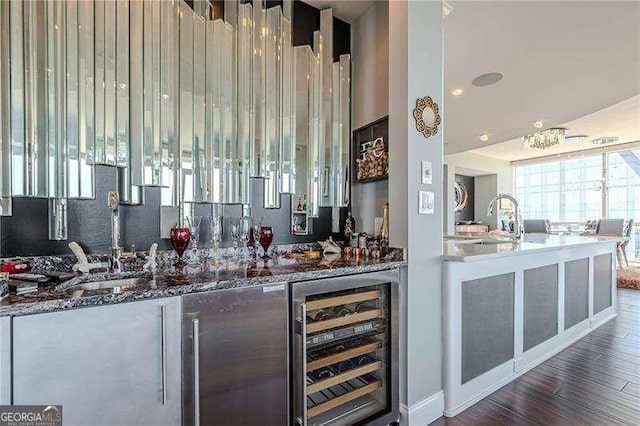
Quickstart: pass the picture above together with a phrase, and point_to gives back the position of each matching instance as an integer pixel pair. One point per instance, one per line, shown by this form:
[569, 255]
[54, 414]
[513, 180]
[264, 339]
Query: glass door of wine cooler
[345, 350]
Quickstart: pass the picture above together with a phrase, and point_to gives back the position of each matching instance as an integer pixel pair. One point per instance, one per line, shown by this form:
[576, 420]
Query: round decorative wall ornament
[427, 116]
[461, 196]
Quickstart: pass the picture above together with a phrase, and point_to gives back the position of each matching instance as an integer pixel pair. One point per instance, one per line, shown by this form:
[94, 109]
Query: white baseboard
[424, 412]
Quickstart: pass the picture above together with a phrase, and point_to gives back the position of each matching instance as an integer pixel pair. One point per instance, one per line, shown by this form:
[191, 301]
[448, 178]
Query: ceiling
[561, 61]
[347, 10]
[621, 119]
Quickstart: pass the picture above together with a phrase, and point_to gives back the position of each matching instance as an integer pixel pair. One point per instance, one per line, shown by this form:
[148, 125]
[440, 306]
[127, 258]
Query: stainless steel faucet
[518, 228]
[116, 250]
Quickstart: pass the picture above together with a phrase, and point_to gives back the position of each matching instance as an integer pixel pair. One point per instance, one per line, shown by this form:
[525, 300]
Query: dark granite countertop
[169, 281]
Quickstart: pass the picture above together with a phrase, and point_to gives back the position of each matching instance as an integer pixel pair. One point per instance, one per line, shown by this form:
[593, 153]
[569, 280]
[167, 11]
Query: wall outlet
[377, 224]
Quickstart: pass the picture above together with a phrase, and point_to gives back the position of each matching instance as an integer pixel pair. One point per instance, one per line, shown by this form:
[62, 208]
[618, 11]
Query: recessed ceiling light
[606, 140]
[484, 137]
[538, 124]
[487, 79]
[456, 92]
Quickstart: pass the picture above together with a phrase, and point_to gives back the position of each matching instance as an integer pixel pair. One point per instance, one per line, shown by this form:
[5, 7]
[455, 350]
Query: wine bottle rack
[345, 350]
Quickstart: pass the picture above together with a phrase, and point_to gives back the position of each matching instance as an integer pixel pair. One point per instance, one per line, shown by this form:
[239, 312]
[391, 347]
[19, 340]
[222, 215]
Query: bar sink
[116, 286]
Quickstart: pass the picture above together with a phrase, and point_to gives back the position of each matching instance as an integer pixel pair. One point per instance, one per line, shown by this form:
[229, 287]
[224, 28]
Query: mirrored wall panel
[174, 97]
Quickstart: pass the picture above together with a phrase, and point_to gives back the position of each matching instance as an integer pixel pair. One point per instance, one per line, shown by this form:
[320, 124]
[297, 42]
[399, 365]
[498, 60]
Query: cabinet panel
[487, 324]
[576, 292]
[235, 371]
[540, 305]
[601, 282]
[5, 360]
[103, 364]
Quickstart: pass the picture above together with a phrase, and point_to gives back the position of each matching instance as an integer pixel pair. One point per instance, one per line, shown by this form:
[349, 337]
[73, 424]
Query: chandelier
[544, 139]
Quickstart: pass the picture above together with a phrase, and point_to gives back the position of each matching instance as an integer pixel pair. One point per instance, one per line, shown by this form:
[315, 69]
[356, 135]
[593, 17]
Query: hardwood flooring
[595, 381]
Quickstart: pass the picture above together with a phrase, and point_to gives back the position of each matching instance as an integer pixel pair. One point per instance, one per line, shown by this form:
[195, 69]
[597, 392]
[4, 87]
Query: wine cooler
[345, 350]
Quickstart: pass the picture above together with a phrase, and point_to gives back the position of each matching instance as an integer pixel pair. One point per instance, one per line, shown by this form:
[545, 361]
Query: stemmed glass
[266, 237]
[215, 234]
[180, 240]
[235, 236]
[194, 228]
[245, 235]
[257, 224]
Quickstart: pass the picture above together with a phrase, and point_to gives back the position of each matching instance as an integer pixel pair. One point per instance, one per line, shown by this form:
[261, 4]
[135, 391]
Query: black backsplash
[25, 233]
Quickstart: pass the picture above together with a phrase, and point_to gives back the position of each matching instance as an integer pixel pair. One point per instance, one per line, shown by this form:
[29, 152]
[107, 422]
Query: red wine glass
[180, 241]
[266, 237]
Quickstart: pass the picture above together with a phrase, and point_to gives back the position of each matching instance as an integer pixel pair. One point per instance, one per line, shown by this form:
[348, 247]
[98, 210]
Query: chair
[613, 227]
[622, 246]
[539, 226]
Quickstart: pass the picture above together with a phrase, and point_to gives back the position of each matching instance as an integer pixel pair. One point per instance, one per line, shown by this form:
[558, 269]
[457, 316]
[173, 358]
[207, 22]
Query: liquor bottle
[304, 203]
[299, 207]
[349, 224]
[384, 228]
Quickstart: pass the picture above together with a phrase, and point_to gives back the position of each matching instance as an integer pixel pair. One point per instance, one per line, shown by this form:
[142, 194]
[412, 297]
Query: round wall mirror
[427, 116]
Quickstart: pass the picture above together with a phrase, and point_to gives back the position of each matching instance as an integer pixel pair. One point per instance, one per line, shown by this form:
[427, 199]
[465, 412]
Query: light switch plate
[426, 202]
[427, 172]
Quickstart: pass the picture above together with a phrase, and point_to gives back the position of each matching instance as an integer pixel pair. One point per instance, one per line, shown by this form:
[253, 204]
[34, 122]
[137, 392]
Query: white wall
[415, 70]
[472, 164]
[370, 101]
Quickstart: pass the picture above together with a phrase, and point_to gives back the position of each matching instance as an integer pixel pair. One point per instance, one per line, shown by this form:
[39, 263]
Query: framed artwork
[371, 151]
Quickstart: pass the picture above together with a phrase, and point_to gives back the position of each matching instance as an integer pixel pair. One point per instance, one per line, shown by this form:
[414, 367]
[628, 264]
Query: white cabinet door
[5, 360]
[108, 365]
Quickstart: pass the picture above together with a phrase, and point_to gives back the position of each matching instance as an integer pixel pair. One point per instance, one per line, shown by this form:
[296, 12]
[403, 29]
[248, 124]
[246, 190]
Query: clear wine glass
[245, 235]
[257, 224]
[235, 236]
[194, 228]
[215, 234]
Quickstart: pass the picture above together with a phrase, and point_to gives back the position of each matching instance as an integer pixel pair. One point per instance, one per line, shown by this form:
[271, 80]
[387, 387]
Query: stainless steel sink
[117, 286]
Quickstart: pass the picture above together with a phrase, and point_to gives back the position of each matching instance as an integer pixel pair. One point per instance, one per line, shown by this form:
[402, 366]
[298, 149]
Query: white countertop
[465, 249]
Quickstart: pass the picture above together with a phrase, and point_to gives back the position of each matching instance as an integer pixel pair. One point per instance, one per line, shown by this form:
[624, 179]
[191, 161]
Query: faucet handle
[83, 264]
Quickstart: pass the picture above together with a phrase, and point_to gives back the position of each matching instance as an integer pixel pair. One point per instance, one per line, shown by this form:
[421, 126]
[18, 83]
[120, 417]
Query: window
[562, 191]
[571, 190]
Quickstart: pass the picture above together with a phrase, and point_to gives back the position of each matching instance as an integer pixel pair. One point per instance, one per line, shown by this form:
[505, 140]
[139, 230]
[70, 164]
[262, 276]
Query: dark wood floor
[595, 381]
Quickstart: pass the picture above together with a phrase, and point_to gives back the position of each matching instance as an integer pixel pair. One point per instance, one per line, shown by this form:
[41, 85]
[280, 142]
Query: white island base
[509, 307]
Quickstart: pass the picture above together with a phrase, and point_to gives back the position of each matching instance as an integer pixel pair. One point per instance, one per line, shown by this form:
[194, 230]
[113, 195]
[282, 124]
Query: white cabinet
[5, 360]
[108, 365]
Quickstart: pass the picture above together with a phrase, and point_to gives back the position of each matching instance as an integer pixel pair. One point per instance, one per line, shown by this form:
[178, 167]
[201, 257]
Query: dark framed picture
[371, 151]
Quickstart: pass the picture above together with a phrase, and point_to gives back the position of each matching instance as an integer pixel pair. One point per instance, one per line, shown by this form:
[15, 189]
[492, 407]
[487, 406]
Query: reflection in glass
[288, 149]
[340, 132]
[199, 106]
[258, 166]
[326, 62]
[122, 83]
[36, 83]
[212, 145]
[16, 85]
[186, 187]
[110, 147]
[246, 122]
[273, 107]
[163, 163]
[83, 186]
[5, 135]
[99, 84]
[57, 219]
[80, 99]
